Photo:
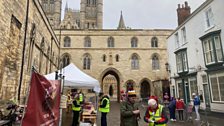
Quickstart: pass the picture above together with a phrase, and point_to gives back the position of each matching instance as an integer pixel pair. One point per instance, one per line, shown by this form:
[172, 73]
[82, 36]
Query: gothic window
[47, 60]
[41, 53]
[51, 6]
[65, 60]
[134, 61]
[154, 42]
[31, 45]
[104, 58]
[117, 58]
[67, 42]
[134, 42]
[87, 42]
[110, 42]
[88, 2]
[86, 62]
[45, 5]
[155, 62]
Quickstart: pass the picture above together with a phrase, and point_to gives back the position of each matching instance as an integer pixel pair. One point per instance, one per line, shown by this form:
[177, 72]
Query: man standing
[129, 110]
[76, 110]
[155, 114]
[104, 108]
[196, 101]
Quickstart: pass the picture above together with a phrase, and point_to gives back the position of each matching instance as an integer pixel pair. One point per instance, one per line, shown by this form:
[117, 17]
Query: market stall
[75, 78]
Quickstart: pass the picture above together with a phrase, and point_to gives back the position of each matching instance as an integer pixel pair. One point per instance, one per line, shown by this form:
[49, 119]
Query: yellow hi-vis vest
[106, 109]
[80, 97]
[157, 116]
[76, 108]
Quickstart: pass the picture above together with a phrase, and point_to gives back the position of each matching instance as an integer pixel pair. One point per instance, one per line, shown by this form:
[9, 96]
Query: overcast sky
[142, 14]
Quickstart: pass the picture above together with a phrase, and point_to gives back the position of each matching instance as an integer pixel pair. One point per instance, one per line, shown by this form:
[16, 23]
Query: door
[206, 95]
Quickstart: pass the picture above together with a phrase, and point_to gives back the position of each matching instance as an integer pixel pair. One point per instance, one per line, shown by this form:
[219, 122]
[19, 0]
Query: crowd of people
[155, 114]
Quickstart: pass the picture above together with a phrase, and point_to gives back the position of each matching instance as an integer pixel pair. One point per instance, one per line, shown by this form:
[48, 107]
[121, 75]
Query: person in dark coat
[172, 108]
[129, 110]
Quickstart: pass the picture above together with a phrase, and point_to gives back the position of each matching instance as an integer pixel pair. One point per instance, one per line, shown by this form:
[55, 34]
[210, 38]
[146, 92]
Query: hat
[132, 93]
[152, 102]
[193, 94]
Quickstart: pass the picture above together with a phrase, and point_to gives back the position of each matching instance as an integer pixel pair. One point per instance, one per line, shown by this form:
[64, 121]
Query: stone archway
[111, 74]
[145, 89]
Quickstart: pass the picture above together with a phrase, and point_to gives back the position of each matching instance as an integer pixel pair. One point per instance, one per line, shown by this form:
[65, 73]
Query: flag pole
[28, 92]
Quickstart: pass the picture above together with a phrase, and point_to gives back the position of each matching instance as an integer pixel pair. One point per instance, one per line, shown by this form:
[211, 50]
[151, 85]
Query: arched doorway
[113, 78]
[110, 86]
[145, 89]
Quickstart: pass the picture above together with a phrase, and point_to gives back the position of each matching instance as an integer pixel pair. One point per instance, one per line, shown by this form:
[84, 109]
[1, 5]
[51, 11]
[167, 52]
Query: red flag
[43, 103]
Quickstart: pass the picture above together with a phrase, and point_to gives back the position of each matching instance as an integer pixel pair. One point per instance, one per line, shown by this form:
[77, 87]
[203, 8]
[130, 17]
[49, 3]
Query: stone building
[26, 40]
[134, 58]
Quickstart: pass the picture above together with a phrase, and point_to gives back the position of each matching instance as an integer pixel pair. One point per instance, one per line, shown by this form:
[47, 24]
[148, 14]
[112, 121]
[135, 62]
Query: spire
[121, 23]
[66, 6]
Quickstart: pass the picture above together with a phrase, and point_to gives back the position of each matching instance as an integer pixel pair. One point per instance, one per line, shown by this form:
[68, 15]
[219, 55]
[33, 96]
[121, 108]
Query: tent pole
[62, 87]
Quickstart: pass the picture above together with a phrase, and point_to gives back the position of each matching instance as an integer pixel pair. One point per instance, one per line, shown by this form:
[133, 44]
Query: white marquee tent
[75, 78]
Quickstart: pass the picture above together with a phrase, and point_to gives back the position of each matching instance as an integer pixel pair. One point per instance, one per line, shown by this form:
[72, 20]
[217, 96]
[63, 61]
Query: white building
[195, 55]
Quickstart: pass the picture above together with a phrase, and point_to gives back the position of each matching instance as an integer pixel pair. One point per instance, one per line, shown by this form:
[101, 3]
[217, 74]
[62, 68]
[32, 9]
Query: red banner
[43, 103]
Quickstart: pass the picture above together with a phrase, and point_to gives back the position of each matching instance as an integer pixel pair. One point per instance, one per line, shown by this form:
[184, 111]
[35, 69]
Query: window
[117, 58]
[86, 62]
[134, 62]
[87, 42]
[104, 58]
[217, 86]
[212, 48]
[67, 42]
[154, 42]
[134, 42]
[209, 18]
[155, 62]
[177, 40]
[184, 37]
[193, 85]
[42, 48]
[52, 6]
[181, 61]
[110, 42]
[65, 60]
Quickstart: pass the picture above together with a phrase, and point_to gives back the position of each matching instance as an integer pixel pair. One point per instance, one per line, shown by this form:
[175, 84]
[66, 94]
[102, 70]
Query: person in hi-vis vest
[155, 114]
[76, 108]
[104, 108]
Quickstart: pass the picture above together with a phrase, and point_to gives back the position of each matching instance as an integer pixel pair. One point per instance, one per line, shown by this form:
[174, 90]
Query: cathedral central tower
[91, 14]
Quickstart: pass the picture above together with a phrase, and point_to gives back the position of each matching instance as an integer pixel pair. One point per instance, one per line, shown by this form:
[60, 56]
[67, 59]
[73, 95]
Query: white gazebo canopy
[74, 77]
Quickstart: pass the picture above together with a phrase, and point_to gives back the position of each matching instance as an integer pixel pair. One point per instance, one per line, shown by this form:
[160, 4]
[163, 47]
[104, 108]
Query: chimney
[183, 12]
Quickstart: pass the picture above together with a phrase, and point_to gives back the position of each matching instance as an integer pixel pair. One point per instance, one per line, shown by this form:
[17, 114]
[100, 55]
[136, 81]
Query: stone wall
[13, 20]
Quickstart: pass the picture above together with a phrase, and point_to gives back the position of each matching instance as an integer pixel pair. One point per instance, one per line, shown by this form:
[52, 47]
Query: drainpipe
[23, 51]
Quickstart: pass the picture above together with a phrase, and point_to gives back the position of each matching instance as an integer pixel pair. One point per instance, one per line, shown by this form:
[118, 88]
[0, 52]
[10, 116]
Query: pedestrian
[155, 114]
[69, 103]
[76, 110]
[81, 97]
[172, 108]
[196, 101]
[104, 108]
[129, 110]
[166, 99]
[180, 108]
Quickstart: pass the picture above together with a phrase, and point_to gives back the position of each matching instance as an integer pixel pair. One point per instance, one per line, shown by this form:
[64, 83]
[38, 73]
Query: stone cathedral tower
[91, 14]
[52, 9]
